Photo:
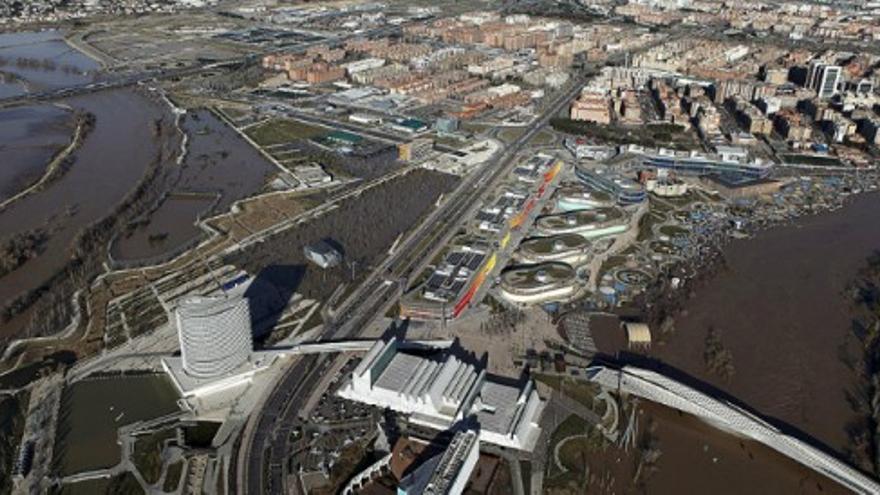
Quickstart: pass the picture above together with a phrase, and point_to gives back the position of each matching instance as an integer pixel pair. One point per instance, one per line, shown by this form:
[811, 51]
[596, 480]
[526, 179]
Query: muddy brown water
[171, 225]
[29, 137]
[220, 168]
[697, 458]
[785, 313]
[108, 165]
[58, 65]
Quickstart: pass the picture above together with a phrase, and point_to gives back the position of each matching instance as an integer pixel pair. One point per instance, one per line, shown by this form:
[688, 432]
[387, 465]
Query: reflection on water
[40, 61]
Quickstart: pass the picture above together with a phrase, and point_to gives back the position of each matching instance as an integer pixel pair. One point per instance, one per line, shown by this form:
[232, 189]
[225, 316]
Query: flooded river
[108, 165]
[785, 314]
[220, 168]
[29, 136]
[784, 308]
[105, 168]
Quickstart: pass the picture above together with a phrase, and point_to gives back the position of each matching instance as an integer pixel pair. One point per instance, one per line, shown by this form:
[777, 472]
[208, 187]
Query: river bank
[132, 135]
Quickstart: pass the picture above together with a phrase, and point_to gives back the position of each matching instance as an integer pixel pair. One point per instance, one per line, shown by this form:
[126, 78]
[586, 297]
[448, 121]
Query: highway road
[263, 451]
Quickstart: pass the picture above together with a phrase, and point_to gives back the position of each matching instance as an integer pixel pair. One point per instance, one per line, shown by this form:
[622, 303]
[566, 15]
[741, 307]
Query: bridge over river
[729, 417]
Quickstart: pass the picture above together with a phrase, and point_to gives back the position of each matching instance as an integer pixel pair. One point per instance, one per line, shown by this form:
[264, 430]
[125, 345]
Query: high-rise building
[830, 81]
[824, 79]
[214, 334]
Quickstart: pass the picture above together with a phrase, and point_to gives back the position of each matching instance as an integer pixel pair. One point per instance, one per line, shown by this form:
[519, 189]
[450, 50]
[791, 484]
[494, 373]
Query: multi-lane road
[263, 452]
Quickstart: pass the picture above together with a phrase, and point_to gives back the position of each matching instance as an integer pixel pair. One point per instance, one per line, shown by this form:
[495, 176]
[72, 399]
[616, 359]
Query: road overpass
[729, 417]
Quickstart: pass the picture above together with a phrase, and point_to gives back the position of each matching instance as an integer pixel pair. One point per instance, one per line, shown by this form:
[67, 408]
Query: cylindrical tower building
[214, 333]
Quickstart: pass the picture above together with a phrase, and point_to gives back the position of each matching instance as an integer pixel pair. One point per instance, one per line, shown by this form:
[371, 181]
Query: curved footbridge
[731, 418]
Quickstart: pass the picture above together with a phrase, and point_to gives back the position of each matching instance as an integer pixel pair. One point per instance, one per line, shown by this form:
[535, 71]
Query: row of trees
[363, 228]
[17, 249]
[649, 135]
[39, 63]
[864, 398]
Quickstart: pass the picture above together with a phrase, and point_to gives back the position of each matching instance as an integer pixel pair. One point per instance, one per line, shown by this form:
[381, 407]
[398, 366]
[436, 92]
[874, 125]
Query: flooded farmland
[220, 168]
[29, 137]
[37, 61]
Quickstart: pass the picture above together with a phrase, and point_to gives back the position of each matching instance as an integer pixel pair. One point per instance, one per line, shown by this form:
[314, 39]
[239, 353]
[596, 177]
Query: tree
[718, 359]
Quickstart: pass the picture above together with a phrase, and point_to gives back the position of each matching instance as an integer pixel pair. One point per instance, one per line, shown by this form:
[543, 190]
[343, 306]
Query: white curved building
[214, 334]
[535, 284]
[575, 198]
[587, 223]
[567, 248]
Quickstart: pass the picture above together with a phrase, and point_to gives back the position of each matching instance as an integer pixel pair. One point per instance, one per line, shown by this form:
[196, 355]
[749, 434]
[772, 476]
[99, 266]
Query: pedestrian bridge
[731, 418]
[361, 345]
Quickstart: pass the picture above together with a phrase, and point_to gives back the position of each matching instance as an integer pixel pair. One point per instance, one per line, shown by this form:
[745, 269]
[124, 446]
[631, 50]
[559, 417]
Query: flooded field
[92, 410]
[170, 226]
[220, 168]
[37, 61]
[29, 137]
